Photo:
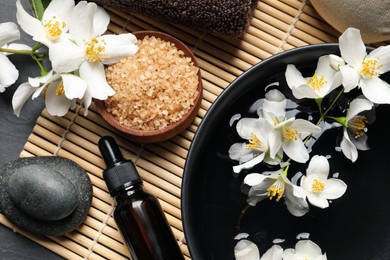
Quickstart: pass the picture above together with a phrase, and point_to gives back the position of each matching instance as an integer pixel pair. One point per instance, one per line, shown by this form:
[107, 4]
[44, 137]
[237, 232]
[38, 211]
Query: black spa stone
[45, 195]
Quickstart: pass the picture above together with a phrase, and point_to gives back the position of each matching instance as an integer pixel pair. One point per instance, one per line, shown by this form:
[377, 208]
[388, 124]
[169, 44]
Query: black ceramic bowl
[353, 227]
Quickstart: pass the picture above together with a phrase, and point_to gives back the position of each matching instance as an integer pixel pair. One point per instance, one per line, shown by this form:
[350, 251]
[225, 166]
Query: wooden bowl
[171, 130]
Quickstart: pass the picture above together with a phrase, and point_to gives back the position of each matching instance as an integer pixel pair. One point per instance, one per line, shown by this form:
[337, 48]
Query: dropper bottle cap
[119, 173]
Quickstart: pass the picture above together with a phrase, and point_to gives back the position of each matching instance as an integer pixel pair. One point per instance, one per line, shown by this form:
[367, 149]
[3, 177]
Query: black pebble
[45, 194]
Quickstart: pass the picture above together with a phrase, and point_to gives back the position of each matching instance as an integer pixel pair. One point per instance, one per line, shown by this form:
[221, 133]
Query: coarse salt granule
[154, 88]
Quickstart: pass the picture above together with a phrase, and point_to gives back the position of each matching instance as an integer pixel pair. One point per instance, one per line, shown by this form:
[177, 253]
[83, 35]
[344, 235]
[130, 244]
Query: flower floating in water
[252, 152]
[319, 188]
[292, 130]
[324, 80]
[275, 186]
[363, 70]
[354, 135]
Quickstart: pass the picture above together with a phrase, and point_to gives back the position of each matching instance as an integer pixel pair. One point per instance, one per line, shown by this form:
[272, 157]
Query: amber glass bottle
[138, 214]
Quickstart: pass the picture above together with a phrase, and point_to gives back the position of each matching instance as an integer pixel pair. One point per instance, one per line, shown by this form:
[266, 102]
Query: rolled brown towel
[226, 17]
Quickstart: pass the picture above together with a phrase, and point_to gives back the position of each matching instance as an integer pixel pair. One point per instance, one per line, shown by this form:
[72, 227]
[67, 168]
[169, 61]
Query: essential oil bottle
[138, 214]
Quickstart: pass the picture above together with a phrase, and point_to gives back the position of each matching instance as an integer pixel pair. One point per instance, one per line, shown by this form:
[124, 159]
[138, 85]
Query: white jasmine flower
[288, 135]
[324, 80]
[246, 250]
[88, 50]
[61, 92]
[319, 188]
[354, 135]
[249, 154]
[276, 185]
[362, 69]
[8, 72]
[304, 249]
[54, 24]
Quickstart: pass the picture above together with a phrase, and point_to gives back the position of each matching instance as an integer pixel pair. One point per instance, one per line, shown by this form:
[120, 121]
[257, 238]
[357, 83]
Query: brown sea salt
[154, 88]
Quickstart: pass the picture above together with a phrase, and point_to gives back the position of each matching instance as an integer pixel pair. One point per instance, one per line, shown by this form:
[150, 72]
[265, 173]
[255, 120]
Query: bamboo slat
[275, 26]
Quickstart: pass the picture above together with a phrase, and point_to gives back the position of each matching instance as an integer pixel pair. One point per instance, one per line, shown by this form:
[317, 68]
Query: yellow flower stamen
[254, 143]
[370, 67]
[358, 125]
[60, 89]
[276, 190]
[318, 185]
[315, 82]
[94, 49]
[53, 28]
[289, 134]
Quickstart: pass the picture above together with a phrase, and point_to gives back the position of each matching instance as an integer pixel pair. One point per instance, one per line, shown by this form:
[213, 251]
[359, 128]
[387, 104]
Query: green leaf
[38, 7]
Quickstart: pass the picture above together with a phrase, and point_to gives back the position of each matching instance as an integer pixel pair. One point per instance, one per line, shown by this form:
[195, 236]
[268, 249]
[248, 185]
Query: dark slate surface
[13, 135]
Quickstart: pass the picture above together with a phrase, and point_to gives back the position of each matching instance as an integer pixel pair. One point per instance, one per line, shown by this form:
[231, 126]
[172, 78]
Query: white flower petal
[297, 206]
[246, 250]
[74, 86]
[383, 53]
[296, 150]
[305, 127]
[275, 143]
[22, 93]
[348, 148]
[276, 108]
[83, 14]
[56, 105]
[376, 90]
[294, 77]
[318, 165]
[8, 73]
[59, 8]
[249, 164]
[317, 199]
[360, 143]
[8, 32]
[119, 47]
[254, 179]
[101, 19]
[305, 91]
[274, 253]
[334, 188]
[352, 48]
[94, 75]
[238, 150]
[37, 81]
[68, 60]
[308, 249]
[87, 102]
[30, 25]
[350, 76]
[289, 254]
[357, 106]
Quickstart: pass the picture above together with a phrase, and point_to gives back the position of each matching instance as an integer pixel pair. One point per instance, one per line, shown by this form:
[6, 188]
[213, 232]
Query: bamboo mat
[276, 26]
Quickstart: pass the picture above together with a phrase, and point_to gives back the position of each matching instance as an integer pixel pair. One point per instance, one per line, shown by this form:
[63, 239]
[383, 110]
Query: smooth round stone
[42, 193]
[25, 182]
